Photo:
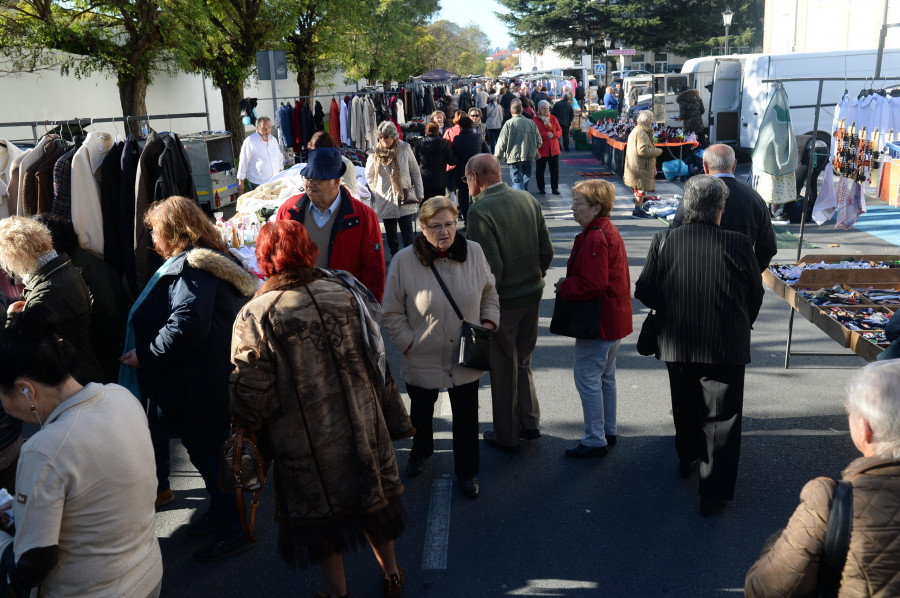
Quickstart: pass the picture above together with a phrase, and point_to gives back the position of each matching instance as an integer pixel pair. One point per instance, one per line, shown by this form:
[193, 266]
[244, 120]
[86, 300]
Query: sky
[480, 12]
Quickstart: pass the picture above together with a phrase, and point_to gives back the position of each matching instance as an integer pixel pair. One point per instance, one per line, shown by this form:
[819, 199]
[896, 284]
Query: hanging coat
[334, 121]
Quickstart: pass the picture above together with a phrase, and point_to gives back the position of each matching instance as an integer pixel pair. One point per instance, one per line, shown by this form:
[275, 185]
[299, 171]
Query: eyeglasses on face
[436, 228]
[316, 182]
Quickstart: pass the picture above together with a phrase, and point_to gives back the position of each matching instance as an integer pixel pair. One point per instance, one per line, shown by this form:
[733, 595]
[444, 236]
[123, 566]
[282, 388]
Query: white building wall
[827, 25]
[48, 95]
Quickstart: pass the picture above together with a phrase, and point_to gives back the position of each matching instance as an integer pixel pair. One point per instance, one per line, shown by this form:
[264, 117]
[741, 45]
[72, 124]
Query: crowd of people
[300, 361]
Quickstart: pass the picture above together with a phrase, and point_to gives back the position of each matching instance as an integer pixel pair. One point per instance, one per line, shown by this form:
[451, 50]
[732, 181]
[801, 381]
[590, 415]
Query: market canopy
[438, 75]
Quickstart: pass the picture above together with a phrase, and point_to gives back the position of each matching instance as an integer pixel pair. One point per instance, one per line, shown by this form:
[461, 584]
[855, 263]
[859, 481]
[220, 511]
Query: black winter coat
[563, 112]
[465, 145]
[434, 155]
[183, 336]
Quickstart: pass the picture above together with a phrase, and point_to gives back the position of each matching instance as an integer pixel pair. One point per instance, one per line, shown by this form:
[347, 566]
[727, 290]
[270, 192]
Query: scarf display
[388, 158]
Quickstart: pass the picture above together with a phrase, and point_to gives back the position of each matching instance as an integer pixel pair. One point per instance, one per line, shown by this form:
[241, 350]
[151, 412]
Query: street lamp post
[607, 43]
[726, 19]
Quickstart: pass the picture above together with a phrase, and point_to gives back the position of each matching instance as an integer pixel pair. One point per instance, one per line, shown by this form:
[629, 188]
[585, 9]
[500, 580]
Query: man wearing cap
[260, 158]
[345, 230]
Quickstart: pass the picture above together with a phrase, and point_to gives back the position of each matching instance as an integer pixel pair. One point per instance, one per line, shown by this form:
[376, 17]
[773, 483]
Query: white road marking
[437, 527]
[444, 409]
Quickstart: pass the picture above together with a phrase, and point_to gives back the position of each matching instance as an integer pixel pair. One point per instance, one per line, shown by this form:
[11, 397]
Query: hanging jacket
[334, 121]
[319, 117]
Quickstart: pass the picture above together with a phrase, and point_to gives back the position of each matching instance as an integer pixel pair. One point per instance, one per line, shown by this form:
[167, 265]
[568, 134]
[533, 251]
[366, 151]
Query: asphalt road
[545, 525]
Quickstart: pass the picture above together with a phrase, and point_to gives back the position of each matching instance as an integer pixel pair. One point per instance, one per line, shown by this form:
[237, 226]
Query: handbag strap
[837, 540]
[446, 292]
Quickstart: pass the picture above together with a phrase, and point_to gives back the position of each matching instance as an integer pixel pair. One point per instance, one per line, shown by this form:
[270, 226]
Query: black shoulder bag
[475, 340]
[578, 319]
[647, 343]
[837, 541]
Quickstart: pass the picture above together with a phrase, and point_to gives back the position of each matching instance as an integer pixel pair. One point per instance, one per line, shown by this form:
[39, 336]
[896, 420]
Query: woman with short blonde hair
[26, 250]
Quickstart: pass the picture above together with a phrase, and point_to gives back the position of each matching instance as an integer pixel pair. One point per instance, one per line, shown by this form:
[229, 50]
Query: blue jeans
[520, 173]
[595, 379]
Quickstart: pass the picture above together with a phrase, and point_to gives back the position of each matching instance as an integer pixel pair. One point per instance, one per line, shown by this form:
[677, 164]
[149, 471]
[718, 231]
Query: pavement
[546, 525]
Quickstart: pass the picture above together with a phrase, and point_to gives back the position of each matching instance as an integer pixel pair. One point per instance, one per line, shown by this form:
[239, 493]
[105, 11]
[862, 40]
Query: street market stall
[849, 298]
[611, 151]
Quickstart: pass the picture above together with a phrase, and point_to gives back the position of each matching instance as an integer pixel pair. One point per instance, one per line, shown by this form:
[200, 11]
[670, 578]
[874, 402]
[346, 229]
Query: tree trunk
[306, 78]
[133, 98]
[231, 106]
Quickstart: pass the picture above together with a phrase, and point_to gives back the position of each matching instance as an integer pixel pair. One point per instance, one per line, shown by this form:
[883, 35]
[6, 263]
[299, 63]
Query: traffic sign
[600, 69]
[622, 52]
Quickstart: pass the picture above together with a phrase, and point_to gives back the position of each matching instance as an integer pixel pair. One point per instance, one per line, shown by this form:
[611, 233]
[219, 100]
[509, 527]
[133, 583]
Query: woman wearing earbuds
[83, 513]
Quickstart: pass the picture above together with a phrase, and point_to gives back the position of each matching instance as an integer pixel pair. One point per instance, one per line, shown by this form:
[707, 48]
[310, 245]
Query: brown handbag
[245, 473]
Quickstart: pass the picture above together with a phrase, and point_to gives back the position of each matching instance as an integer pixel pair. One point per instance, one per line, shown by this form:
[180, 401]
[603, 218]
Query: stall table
[857, 282]
[612, 151]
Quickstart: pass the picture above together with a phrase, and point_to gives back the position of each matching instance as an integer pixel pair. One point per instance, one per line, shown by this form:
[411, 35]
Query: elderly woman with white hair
[548, 153]
[640, 161]
[396, 185]
[791, 560]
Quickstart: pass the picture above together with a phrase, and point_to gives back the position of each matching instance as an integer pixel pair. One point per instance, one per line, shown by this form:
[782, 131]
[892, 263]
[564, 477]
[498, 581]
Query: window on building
[660, 66]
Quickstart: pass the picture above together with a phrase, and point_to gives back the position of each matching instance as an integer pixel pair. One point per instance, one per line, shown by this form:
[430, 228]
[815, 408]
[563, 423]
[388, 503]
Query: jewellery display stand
[854, 281]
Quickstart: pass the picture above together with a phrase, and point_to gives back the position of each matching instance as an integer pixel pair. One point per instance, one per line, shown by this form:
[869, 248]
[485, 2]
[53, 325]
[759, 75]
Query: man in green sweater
[510, 227]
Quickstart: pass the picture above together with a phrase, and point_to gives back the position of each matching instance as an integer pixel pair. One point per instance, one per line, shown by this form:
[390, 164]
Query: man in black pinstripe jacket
[705, 285]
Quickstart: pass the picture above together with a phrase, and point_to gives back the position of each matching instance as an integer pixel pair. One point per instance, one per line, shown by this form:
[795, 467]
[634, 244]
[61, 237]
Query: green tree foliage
[221, 38]
[684, 26]
[458, 48]
[124, 38]
[382, 38]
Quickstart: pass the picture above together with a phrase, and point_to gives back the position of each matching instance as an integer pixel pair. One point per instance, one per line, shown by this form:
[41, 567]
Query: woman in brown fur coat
[312, 380]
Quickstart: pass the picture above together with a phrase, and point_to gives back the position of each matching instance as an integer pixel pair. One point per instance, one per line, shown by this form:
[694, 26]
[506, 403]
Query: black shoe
[541, 192]
[469, 487]
[611, 440]
[415, 465]
[222, 548]
[711, 506]
[639, 214]
[529, 434]
[583, 451]
[205, 524]
[556, 193]
[491, 441]
[686, 468]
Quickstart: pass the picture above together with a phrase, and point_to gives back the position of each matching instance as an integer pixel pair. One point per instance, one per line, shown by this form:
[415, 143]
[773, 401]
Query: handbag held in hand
[243, 469]
[474, 341]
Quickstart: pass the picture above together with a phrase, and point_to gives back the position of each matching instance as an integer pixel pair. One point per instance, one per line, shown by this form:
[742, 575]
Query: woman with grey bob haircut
[789, 565]
[704, 199]
[396, 184]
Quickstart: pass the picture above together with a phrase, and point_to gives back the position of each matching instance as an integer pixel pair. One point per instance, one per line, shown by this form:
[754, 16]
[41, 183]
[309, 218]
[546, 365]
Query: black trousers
[707, 402]
[565, 137]
[553, 161]
[406, 231]
[462, 198]
[464, 404]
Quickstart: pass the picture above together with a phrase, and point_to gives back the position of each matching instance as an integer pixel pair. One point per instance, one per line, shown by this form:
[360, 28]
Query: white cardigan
[87, 217]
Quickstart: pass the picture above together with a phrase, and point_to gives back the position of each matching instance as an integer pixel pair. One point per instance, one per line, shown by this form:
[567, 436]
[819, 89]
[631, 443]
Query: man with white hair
[518, 145]
[260, 157]
[481, 100]
[745, 211]
[792, 564]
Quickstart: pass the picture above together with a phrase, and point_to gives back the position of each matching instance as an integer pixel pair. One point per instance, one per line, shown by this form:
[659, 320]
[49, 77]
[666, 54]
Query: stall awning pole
[809, 173]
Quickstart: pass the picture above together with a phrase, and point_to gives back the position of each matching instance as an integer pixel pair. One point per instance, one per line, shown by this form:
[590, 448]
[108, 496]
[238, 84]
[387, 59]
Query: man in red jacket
[345, 230]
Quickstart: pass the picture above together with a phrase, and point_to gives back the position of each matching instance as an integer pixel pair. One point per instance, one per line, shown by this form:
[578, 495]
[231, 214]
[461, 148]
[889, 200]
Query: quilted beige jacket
[790, 566]
[640, 159]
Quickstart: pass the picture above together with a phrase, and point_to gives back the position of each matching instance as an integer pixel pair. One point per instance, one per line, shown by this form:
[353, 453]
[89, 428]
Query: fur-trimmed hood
[687, 94]
[427, 254]
[222, 267]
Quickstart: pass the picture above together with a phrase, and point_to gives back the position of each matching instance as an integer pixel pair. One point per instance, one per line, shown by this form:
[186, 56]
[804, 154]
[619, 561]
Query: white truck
[739, 97]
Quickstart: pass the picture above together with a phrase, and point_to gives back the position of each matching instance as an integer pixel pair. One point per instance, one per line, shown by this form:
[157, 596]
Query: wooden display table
[612, 151]
[852, 280]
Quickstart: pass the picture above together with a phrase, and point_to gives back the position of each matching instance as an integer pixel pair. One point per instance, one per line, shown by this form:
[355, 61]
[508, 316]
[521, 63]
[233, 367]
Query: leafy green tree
[458, 48]
[684, 26]
[221, 38]
[124, 38]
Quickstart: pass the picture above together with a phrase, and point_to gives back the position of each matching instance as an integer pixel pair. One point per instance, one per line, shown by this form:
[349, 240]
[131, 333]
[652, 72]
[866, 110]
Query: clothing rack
[82, 122]
[809, 182]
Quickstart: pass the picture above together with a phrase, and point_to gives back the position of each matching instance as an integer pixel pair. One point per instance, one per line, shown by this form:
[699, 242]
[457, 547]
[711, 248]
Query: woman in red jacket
[598, 267]
[549, 151]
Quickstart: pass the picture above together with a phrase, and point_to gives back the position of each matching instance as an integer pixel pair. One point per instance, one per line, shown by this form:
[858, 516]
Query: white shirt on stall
[260, 160]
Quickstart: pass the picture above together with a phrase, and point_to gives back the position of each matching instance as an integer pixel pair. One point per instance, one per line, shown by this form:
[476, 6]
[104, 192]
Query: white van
[739, 97]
